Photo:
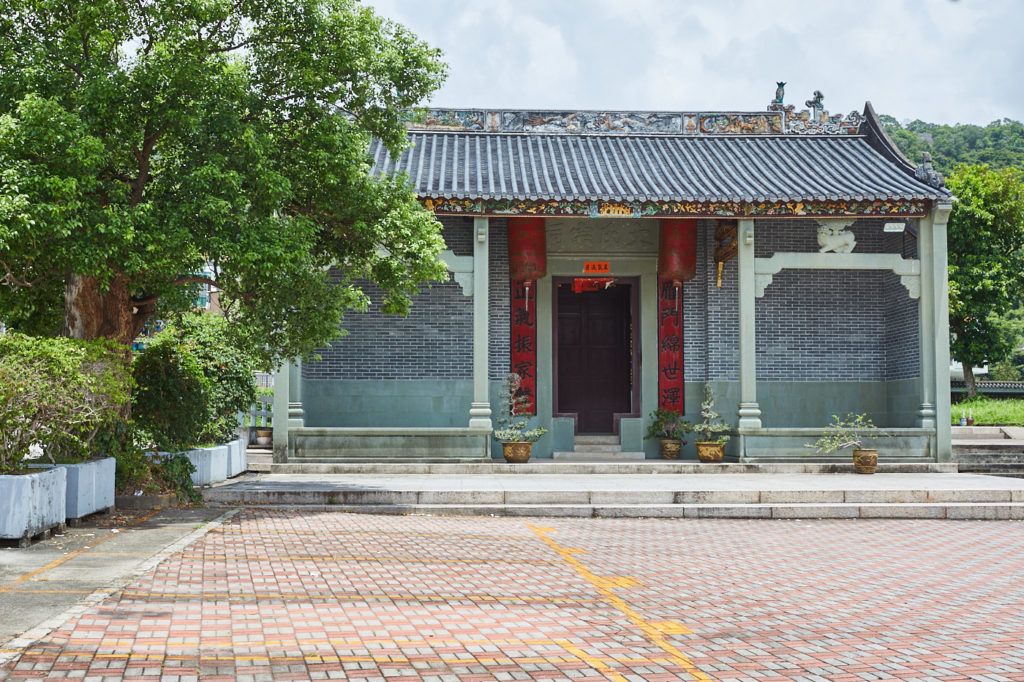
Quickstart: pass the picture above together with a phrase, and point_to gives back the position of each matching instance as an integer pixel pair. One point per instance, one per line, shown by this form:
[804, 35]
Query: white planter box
[237, 459]
[32, 503]
[211, 464]
[90, 487]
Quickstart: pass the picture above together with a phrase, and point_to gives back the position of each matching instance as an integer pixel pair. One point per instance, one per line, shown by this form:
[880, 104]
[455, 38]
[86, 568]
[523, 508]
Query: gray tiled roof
[533, 166]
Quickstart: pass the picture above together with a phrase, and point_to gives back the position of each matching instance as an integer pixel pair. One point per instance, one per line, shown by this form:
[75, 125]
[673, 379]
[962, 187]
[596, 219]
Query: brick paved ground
[299, 595]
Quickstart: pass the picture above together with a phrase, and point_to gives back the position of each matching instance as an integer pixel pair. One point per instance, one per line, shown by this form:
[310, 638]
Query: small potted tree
[848, 432]
[669, 427]
[516, 440]
[711, 430]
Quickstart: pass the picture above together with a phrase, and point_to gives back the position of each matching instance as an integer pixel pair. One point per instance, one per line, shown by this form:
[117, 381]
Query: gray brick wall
[498, 303]
[434, 341]
[835, 325]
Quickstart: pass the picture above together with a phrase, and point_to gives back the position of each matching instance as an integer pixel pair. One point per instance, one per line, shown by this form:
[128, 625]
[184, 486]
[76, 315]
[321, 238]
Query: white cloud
[937, 60]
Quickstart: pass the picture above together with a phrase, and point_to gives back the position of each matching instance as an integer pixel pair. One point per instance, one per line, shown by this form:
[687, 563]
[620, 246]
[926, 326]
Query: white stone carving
[833, 236]
[461, 268]
[912, 283]
[908, 269]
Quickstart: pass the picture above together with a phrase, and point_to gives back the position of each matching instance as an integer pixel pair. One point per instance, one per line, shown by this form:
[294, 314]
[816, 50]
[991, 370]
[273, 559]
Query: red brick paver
[303, 595]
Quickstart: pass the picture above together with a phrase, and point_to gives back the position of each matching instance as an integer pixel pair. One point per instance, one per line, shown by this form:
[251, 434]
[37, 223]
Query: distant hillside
[999, 144]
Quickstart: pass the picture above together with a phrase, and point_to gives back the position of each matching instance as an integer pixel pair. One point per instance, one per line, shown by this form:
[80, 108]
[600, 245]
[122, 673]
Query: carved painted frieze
[775, 122]
[909, 208]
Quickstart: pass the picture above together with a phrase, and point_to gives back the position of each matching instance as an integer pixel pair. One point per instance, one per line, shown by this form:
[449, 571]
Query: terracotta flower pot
[517, 453]
[710, 452]
[670, 448]
[865, 461]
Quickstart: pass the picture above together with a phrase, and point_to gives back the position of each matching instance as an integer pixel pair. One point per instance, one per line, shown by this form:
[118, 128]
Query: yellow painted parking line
[654, 630]
[72, 555]
[595, 663]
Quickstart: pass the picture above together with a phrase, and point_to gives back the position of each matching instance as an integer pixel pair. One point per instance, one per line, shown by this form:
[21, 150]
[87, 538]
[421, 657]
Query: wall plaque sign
[601, 267]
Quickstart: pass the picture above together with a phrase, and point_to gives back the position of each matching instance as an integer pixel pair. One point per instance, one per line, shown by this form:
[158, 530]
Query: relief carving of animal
[835, 239]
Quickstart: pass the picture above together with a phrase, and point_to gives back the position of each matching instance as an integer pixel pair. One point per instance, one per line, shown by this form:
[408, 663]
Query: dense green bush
[58, 394]
[170, 399]
[231, 386]
[192, 382]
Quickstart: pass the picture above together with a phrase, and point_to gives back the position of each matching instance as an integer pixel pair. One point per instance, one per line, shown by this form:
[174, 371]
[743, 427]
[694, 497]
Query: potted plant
[850, 432]
[516, 440]
[669, 427]
[711, 430]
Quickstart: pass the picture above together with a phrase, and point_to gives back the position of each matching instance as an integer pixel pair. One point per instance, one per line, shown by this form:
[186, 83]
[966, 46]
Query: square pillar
[480, 409]
[280, 424]
[940, 307]
[749, 411]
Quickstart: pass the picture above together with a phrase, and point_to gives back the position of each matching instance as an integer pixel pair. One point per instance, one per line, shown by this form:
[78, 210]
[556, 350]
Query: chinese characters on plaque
[524, 341]
[670, 346]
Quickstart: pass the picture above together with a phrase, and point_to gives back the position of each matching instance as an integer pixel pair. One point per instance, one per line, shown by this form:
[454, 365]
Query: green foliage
[990, 411]
[228, 370]
[1000, 144]
[142, 142]
[170, 400]
[711, 428]
[514, 403]
[846, 432]
[986, 260]
[175, 472]
[58, 394]
[667, 425]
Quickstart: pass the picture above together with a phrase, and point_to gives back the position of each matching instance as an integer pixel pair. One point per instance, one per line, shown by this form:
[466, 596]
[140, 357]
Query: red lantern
[527, 249]
[677, 249]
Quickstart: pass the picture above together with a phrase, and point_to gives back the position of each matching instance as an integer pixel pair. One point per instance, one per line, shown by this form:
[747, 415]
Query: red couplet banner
[670, 346]
[524, 340]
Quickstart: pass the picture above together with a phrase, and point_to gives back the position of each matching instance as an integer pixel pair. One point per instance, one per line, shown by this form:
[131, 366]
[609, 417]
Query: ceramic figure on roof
[927, 174]
[780, 93]
[815, 105]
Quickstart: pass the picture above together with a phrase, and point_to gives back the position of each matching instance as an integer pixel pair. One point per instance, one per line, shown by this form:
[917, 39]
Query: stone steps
[741, 495]
[653, 466]
[960, 511]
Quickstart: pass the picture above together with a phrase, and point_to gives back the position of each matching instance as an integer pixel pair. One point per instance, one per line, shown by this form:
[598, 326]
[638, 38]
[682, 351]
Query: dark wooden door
[595, 357]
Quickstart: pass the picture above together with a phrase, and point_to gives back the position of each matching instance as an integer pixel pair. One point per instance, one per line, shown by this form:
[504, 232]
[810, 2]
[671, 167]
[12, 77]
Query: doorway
[595, 353]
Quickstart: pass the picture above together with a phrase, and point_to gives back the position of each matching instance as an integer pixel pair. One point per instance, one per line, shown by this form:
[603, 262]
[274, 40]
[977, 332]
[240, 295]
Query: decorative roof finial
[780, 92]
[927, 174]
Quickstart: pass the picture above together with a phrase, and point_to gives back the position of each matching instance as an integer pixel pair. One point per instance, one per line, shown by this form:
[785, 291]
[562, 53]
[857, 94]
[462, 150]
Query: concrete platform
[652, 494]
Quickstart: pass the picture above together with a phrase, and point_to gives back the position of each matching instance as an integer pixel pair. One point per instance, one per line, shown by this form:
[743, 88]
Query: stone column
[940, 305]
[927, 340]
[749, 412]
[296, 416]
[282, 385]
[480, 409]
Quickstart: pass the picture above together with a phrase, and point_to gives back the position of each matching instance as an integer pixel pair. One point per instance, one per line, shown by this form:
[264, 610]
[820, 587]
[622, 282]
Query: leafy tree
[1000, 144]
[986, 257]
[149, 147]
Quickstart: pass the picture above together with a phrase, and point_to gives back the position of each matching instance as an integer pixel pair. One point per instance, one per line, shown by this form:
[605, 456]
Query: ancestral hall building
[619, 261]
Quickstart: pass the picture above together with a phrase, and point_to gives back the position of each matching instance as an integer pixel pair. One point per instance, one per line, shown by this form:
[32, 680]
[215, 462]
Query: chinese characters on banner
[670, 346]
[524, 340]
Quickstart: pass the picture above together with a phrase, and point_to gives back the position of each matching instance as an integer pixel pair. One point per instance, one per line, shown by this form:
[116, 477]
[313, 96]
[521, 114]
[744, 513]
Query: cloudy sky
[942, 61]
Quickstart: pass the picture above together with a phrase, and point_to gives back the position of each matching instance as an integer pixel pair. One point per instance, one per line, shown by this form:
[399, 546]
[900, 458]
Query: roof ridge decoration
[782, 120]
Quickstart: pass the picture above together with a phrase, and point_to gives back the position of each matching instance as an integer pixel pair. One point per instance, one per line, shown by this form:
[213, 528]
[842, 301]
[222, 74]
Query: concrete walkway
[747, 495]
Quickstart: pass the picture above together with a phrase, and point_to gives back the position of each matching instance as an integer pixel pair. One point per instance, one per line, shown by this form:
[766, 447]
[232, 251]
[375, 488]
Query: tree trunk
[972, 387]
[91, 314]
